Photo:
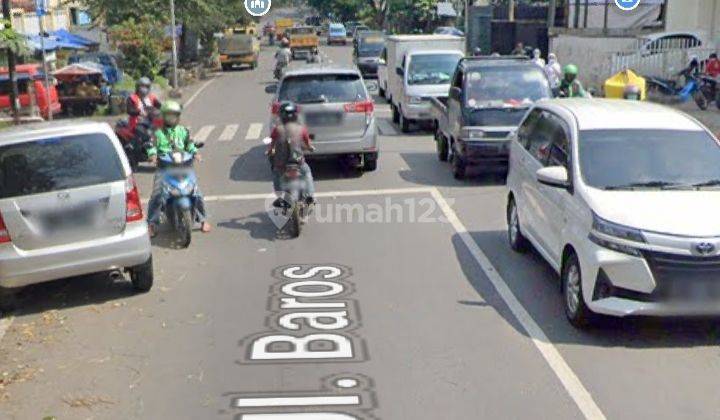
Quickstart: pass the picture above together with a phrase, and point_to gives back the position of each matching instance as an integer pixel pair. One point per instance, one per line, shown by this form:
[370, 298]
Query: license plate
[323, 119]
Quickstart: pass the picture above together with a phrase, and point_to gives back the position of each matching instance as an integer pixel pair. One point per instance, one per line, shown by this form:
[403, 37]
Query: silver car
[336, 108]
[69, 206]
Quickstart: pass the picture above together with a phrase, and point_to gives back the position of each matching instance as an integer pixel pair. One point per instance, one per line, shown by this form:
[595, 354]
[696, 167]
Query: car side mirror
[400, 72]
[554, 176]
[455, 93]
[271, 89]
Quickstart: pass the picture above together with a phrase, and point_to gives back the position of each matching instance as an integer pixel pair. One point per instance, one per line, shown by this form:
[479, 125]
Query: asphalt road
[414, 306]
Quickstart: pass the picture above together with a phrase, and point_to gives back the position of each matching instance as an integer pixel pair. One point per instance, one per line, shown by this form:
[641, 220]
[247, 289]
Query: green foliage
[404, 15]
[9, 39]
[141, 44]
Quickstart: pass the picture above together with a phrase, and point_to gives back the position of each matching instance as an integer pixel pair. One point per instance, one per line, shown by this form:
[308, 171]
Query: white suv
[623, 200]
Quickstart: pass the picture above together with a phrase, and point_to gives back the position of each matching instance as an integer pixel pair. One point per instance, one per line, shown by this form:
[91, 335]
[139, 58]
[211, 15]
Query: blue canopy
[65, 37]
[34, 42]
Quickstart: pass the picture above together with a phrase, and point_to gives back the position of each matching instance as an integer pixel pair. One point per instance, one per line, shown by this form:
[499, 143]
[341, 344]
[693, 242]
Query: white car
[622, 198]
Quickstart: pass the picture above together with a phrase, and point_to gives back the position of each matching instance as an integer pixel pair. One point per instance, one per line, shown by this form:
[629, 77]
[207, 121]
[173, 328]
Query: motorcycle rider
[283, 56]
[570, 86]
[172, 137]
[537, 58]
[140, 102]
[290, 140]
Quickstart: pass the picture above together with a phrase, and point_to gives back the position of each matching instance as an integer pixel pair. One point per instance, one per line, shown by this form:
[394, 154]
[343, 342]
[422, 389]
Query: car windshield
[432, 69]
[325, 88]
[505, 86]
[631, 159]
[370, 49]
[57, 164]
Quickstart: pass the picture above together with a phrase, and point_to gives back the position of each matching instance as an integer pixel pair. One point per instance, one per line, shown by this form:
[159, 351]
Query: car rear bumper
[21, 268]
[368, 69]
[367, 143]
[337, 39]
[418, 112]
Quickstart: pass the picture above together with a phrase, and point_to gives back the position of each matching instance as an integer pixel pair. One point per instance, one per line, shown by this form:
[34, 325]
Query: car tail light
[275, 108]
[134, 212]
[367, 107]
[4, 234]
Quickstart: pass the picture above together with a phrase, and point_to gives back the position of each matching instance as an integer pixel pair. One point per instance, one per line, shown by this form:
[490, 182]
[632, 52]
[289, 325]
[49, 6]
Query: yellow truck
[249, 29]
[303, 39]
[238, 50]
[281, 25]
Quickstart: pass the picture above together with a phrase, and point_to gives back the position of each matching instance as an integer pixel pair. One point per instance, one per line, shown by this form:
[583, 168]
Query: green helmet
[171, 107]
[571, 69]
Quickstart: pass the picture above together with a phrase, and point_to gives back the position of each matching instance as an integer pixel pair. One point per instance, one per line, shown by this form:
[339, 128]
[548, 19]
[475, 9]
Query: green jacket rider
[570, 86]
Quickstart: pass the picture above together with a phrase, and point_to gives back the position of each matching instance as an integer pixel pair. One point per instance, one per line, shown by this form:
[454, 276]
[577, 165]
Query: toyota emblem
[705, 248]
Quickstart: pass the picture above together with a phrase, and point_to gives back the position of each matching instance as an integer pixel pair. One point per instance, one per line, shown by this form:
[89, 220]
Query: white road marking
[5, 324]
[386, 128]
[552, 356]
[203, 134]
[254, 131]
[195, 95]
[229, 132]
[297, 401]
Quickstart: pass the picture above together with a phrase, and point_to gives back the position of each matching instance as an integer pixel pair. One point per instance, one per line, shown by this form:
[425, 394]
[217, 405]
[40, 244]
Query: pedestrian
[713, 66]
[519, 49]
[537, 58]
[553, 70]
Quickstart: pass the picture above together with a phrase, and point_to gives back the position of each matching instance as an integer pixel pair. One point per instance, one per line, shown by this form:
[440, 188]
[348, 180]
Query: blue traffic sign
[627, 5]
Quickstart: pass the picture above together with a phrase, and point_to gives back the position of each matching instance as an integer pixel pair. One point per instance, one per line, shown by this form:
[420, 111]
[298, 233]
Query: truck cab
[488, 98]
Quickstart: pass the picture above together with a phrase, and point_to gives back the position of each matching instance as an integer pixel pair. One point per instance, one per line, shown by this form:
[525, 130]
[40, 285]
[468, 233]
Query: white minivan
[622, 198]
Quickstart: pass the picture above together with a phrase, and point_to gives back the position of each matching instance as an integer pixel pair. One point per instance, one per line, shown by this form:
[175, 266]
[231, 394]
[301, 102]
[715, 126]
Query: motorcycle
[680, 94]
[293, 205]
[180, 181]
[136, 143]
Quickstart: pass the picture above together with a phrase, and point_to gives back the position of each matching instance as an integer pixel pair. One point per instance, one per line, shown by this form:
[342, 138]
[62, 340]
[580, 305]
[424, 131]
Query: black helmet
[632, 92]
[288, 112]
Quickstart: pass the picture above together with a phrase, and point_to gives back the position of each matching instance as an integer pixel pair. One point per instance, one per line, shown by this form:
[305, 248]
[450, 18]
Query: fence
[660, 58]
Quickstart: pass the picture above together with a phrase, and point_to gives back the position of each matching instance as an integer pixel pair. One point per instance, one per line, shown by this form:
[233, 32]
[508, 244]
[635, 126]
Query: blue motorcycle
[695, 88]
[179, 183]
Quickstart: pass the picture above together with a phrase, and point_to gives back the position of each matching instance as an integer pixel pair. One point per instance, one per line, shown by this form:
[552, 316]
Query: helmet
[143, 82]
[571, 69]
[288, 111]
[170, 107]
[632, 92]
[285, 42]
[171, 111]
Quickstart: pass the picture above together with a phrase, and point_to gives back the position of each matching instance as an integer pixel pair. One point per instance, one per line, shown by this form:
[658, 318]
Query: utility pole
[14, 102]
[552, 8]
[41, 11]
[174, 45]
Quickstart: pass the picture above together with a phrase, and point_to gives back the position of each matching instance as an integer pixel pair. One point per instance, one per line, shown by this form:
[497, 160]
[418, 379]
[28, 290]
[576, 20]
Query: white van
[414, 68]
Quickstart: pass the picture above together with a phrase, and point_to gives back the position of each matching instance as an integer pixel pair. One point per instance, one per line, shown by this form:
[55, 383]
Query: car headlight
[416, 100]
[472, 134]
[617, 231]
[602, 227]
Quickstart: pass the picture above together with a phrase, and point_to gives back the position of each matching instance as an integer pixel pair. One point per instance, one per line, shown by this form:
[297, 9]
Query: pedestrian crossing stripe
[254, 131]
[229, 132]
[203, 134]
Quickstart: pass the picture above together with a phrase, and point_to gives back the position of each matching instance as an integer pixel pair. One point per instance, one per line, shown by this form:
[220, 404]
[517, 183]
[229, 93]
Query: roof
[48, 129]
[321, 69]
[445, 8]
[423, 38]
[80, 69]
[618, 114]
[488, 61]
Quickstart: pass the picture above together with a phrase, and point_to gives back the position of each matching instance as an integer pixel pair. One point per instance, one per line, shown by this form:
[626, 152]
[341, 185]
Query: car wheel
[395, 114]
[458, 167]
[404, 123]
[142, 276]
[226, 67]
[577, 312]
[371, 161]
[9, 301]
[517, 241]
[442, 147]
